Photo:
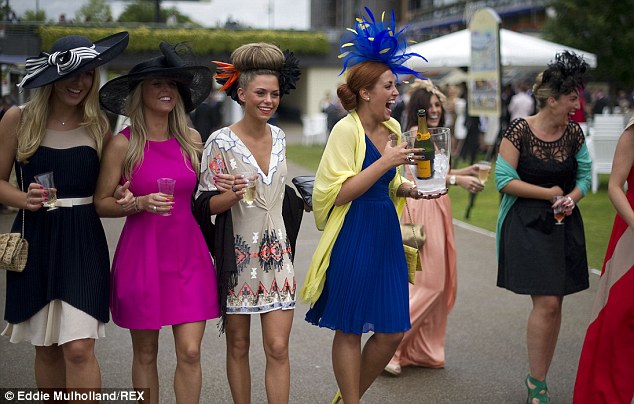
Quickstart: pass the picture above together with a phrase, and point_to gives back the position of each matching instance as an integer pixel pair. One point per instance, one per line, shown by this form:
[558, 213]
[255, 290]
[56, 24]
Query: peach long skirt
[433, 295]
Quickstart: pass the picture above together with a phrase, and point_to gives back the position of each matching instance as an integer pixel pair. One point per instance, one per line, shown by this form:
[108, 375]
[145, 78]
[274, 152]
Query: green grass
[305, 156]
[598, 213]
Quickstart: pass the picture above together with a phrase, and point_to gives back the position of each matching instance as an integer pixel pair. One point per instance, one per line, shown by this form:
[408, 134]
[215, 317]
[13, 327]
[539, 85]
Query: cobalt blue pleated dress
[366, 285]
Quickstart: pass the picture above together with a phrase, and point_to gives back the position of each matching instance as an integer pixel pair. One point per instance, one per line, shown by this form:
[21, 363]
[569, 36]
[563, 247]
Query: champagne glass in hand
[484, 169]
[559, 210]
[250, 191]
[46, 180]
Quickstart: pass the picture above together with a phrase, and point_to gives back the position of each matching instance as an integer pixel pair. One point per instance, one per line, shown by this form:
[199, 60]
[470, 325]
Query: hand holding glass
[166, 187]
[46, 180]
[559, 210]
[250, 192]
[484, 168]
[407, 137]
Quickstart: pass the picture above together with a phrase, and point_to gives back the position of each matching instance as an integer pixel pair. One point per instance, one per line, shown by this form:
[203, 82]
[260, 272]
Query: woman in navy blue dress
[357, 281]
[59, 303]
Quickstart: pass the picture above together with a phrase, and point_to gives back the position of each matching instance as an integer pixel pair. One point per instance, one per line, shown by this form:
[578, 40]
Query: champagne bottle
[424, 166]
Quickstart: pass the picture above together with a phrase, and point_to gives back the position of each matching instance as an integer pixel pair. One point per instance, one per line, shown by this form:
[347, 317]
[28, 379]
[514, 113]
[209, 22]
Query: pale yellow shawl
[343, 158]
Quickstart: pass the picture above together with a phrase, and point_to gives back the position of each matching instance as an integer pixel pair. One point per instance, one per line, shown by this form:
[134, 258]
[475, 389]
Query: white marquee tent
[516, 50]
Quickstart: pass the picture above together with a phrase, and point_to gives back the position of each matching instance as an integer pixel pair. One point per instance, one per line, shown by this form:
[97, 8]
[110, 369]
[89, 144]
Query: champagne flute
[558, 211]
[484, 169]
[250, 191]
[46, 180]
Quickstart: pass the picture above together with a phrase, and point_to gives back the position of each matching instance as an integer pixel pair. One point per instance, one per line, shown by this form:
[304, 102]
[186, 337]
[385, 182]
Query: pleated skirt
[366, 286]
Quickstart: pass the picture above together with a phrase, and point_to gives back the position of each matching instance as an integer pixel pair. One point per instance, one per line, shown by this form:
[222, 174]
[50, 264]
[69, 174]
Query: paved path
[486, 354]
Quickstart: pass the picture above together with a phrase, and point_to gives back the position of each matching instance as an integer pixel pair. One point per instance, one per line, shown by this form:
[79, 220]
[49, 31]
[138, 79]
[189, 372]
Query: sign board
[484, 69]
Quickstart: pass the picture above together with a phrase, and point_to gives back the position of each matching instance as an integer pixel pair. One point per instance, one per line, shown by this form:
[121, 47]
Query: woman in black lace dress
[543, 157]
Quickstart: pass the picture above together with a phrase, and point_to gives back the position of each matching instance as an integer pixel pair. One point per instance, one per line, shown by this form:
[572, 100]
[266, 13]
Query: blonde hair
[36, 112]
[254, 59]
[542, 91]
[177, 126]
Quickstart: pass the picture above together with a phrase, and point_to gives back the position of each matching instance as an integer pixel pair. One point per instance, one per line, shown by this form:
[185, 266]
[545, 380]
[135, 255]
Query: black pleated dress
[68, 253]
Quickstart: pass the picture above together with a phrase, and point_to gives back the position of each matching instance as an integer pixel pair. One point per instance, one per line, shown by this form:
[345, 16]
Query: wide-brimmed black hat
[70, 55]
[193, 82]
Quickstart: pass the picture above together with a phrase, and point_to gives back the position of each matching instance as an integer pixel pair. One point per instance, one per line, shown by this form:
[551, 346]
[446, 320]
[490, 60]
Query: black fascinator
[566, 74]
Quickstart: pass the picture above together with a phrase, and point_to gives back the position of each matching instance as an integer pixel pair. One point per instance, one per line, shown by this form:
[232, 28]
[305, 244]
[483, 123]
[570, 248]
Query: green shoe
[537, 394]
[337, 397]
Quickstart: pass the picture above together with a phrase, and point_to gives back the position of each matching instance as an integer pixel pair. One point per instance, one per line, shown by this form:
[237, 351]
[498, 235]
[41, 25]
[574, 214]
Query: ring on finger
[154, 208]
[233, 188]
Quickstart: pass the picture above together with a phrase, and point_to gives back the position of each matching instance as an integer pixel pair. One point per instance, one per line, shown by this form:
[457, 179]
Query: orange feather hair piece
[227, 72]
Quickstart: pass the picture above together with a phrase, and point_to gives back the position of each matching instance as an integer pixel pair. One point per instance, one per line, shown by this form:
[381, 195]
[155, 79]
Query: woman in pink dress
[606, 367]
[433, 295]
[162, 273]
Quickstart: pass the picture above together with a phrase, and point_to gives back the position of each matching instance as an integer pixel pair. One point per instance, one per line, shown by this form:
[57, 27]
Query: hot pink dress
[162, 273]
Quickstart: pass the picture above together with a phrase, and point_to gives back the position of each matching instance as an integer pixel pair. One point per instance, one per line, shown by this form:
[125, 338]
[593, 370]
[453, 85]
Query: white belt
[70, 202]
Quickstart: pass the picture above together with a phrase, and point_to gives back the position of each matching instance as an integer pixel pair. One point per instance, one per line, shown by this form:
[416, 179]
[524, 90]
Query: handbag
[413, 239]
[304, 185]
[413, 235]
[14, 249]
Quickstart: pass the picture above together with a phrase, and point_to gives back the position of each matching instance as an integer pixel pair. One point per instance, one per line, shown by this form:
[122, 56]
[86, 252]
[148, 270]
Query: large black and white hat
[70, 55]
[193, 82]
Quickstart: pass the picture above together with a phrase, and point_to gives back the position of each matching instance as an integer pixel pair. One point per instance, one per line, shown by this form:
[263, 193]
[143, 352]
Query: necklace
[69, 119]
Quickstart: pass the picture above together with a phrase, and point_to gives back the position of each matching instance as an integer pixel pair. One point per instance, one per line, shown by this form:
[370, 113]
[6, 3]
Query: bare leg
[144, 367]
[544, 323]
[82, 368]
[276, 329]
[346, 363]
[50, 369]
[377, 353]
[238, 337]
[188, 375]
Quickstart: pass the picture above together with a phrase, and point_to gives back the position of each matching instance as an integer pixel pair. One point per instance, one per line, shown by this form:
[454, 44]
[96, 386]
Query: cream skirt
[56, 323]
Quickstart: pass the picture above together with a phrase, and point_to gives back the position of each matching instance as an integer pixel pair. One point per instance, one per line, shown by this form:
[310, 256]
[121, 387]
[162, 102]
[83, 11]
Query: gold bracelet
[136, 204]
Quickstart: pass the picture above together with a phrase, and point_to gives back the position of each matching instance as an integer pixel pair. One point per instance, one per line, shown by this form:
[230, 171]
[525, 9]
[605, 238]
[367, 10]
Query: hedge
[203, 41]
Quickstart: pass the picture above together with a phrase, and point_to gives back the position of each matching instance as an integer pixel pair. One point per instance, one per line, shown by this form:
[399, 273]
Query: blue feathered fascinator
[377, 41]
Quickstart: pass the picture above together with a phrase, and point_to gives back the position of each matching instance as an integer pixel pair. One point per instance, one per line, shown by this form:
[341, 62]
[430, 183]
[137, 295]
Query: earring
[367, 99]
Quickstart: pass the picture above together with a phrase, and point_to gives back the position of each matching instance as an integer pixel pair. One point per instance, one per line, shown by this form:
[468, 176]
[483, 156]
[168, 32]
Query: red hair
[363, 75]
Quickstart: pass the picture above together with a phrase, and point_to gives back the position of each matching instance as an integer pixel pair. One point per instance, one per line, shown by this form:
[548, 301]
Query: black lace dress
[536, 256]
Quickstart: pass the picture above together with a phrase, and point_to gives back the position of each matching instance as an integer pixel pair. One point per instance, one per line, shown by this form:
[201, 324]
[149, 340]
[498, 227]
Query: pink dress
[162, 273]
[433, 295]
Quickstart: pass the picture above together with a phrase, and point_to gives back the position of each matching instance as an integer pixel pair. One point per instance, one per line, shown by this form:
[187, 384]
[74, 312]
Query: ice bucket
[441, 138]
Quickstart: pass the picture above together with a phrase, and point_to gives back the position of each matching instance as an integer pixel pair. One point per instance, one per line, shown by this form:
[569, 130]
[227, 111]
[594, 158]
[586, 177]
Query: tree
[6, 11]
[601, 27]
[32, 16]
[95, 11]
[144, 11]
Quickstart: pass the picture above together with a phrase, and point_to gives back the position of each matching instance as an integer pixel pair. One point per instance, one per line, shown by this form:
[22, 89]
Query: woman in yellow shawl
[357, 281]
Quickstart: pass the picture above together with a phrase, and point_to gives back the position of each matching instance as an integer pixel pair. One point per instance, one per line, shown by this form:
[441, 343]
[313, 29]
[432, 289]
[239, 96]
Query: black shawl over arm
[292, 213]
[220, 239]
